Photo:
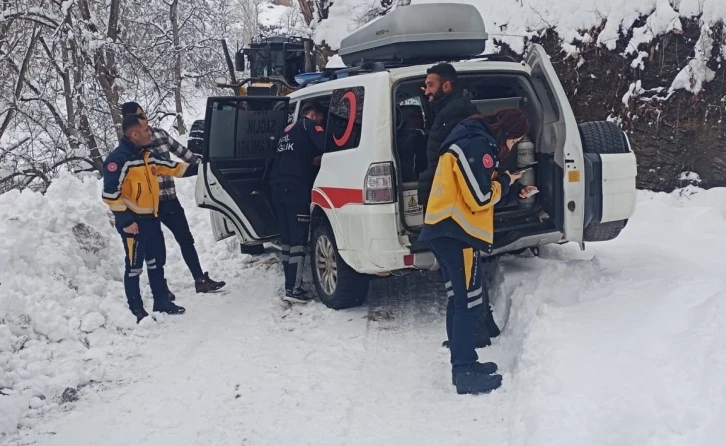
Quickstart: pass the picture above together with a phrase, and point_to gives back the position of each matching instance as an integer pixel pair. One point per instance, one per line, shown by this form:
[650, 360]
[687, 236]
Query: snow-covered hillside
[620, 344]
[512, 21]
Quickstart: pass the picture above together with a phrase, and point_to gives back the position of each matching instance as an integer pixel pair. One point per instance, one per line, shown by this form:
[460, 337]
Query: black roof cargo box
[422, 32]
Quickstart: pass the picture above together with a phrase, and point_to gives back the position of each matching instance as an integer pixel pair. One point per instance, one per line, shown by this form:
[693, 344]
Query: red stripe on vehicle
[320, 200]
[338, 196]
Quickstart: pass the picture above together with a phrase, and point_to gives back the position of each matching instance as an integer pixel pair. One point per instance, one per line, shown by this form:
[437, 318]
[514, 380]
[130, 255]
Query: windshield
[267, 62]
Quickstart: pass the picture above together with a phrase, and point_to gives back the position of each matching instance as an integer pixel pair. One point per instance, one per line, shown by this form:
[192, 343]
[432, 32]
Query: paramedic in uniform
[459, 223]
[131, 190]
[291, 181]
[171, 212]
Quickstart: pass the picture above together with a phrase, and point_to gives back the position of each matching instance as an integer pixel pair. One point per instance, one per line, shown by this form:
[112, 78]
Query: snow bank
[62, 305]
[622, 343]
[627, 346]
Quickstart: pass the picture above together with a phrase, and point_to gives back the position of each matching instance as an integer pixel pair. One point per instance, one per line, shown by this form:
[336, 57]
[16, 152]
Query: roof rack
[374, 66]
[415, 34]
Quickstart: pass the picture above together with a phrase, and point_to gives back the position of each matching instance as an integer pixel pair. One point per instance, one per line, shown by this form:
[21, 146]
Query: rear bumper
[384, 263]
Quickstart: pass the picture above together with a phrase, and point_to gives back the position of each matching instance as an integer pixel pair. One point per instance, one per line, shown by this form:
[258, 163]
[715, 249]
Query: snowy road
[623, 343]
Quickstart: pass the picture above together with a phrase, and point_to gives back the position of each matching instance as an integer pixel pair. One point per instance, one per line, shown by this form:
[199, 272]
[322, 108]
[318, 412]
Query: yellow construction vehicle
[276, 65]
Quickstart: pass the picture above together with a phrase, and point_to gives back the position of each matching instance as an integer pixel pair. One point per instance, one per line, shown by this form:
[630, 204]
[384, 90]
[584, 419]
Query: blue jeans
[171, 214]
[461, 269]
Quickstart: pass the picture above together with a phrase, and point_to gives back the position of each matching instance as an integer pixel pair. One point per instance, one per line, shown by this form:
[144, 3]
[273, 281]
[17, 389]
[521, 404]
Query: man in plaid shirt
[171, 211]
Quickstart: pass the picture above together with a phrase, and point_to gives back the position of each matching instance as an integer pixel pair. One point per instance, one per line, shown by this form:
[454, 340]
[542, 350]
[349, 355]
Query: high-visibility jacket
[465, 188]
[130, 181]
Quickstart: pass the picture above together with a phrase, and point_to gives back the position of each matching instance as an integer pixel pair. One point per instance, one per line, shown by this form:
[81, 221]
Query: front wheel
[337, 284]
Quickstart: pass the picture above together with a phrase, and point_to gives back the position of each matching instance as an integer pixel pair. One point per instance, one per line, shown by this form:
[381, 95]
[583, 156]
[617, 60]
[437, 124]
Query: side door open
[564, 194]
[241, 135]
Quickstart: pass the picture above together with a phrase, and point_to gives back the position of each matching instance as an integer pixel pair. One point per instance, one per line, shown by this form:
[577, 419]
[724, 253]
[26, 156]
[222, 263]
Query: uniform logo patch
[112, 167]
[488, 161]
[319, 129]
[153, 170]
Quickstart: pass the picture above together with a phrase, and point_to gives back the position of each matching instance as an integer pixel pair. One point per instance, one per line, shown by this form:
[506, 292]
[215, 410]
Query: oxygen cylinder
[525, 157]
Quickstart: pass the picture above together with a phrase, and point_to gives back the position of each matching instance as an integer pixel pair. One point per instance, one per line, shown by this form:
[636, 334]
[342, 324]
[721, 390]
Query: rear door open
[564, 194]
[241, 135]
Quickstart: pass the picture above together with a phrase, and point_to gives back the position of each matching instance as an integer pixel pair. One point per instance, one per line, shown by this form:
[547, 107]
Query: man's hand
[317, 159]
[133, 228]
[526, 190]
[513, 176]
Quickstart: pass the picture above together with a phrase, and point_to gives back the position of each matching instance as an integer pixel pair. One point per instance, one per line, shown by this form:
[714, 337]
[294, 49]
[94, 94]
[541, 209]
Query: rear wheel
[602, 138]
[337, 284]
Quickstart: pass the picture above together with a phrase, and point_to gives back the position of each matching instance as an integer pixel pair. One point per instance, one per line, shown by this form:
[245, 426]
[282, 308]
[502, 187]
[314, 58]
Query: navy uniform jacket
[466, 188]
[303, 141]
[130, 181]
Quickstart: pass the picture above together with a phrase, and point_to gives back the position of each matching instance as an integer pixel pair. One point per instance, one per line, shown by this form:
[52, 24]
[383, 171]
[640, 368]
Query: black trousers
[171, 214]
[461, 269]
[147, 245]
[292, 207]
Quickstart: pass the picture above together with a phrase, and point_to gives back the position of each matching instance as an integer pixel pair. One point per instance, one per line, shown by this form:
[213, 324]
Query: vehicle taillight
[378, 186]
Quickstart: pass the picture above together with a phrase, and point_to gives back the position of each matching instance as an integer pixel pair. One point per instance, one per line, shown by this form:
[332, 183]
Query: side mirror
[221, 81]
[239, 61]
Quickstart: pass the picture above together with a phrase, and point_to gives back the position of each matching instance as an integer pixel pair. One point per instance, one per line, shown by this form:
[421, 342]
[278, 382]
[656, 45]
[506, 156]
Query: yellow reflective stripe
[473, 182]
[130, 245]
[115, 205]
[468, 264]
[138, 209]
[434, 218]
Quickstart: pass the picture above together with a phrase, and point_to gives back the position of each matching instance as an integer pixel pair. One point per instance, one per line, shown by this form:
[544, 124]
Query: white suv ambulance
[365, 218]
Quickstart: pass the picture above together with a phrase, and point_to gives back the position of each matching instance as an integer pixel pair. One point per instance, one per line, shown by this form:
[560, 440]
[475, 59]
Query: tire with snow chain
[195, 143]
[603, 138]
[337, 284]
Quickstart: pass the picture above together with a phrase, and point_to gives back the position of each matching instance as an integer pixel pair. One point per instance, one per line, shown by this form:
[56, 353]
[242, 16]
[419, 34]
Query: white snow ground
[620, 344]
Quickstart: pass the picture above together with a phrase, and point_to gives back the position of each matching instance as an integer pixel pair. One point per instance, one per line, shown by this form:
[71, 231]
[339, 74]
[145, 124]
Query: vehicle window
[325, 102]
[345, 119]
[245, 130]
[221, 134]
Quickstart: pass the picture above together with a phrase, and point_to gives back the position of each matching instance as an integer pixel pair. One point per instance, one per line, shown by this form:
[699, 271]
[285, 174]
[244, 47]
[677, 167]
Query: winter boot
[479, 368]
[473, 383]
[172, 297]
[168, 307]
[297, 296]
[140, 314]
[204, 284]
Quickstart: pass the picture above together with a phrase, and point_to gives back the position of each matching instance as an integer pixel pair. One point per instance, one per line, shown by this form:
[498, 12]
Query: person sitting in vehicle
[459, 223]
[411, 143]
[291, 181]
